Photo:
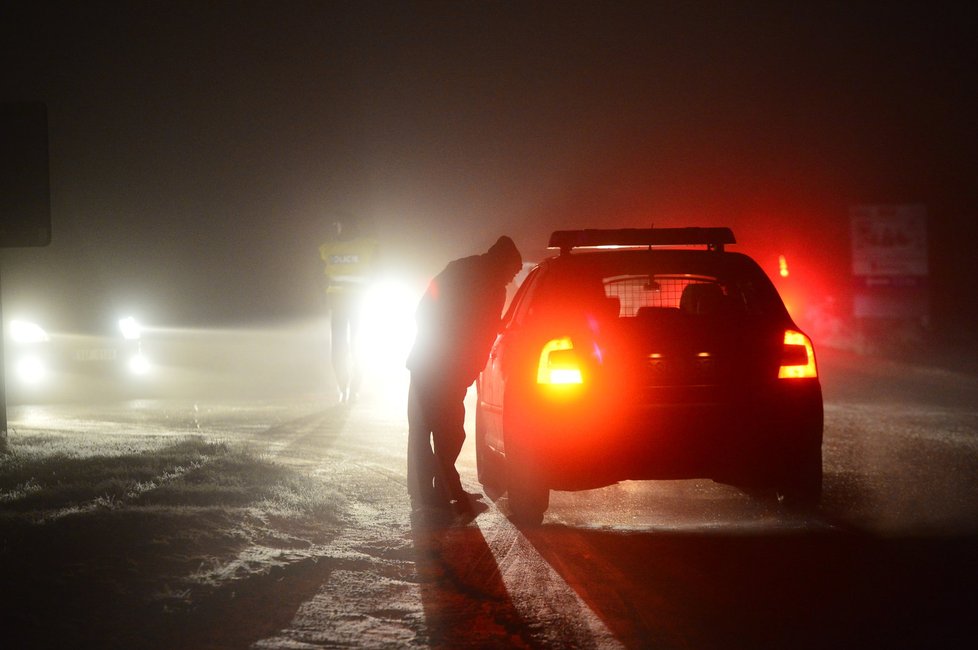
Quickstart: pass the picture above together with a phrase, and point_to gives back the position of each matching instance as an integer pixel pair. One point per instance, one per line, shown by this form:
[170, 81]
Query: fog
[199, 152]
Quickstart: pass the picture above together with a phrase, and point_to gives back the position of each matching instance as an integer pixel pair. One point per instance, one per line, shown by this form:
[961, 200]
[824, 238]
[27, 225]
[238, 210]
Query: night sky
[199, 150]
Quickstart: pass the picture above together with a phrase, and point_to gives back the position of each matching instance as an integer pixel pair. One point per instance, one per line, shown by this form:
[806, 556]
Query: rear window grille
[635, 292]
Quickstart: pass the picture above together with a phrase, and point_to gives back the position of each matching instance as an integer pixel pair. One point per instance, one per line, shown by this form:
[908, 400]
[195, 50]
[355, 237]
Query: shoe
[430, 518]
[469, 506]
[431, 499]
[466, 512]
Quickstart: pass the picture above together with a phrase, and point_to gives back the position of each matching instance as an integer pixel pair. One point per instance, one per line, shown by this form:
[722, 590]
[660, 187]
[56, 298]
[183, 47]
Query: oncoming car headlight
[130, 328]
[22, 331]
[31, 371]
[139, 364]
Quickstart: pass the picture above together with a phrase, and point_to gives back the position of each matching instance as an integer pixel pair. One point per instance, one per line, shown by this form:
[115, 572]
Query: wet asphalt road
[890, 558]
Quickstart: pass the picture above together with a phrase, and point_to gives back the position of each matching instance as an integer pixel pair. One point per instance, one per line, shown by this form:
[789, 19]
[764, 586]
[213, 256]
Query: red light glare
[558, 363]
[797, 357]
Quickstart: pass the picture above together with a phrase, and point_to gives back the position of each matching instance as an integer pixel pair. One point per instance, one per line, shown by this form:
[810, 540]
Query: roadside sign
[889, 241]
[889, 261]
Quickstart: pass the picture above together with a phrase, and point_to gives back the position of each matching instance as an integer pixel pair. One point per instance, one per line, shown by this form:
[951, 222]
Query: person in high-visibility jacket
[351, 260]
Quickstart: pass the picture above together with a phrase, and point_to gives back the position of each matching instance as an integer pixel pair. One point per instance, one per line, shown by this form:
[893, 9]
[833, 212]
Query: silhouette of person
[350, 260]
[457, 321]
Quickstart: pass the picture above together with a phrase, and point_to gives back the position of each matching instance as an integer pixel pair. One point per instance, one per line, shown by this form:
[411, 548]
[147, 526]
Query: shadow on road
[465, 601]
[238, 616]
[771, 590]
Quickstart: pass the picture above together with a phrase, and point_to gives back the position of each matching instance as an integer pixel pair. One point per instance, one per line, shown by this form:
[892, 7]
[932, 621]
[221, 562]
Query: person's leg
[355, 366]
[339, 322]
[421, 462]
[448, 433]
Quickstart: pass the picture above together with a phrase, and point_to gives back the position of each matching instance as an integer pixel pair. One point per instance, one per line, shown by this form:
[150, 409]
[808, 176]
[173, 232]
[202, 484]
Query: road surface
[889, 560]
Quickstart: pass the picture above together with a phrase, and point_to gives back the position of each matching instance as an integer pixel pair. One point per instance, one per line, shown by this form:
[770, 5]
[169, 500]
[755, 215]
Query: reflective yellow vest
[349, 263]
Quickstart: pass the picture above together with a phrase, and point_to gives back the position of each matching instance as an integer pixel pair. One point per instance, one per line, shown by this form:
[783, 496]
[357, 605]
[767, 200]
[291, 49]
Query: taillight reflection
[559, 363]
[797, 357]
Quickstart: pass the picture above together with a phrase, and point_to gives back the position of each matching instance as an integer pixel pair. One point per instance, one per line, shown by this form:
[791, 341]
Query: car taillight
[797, 357]
[559, 363]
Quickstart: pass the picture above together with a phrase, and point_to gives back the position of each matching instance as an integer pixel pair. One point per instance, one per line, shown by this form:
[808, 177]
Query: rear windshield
[640, 283]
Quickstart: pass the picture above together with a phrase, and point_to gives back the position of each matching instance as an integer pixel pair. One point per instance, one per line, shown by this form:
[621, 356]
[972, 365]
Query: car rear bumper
[591, 444]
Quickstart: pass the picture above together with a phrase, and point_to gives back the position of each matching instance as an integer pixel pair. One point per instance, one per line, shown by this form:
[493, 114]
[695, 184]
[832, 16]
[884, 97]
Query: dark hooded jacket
[458, 317]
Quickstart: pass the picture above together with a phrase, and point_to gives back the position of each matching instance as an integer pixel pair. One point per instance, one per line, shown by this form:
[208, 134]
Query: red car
[648, 354]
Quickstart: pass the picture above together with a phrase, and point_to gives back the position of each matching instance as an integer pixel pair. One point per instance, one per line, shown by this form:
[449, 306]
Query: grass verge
[120, 548]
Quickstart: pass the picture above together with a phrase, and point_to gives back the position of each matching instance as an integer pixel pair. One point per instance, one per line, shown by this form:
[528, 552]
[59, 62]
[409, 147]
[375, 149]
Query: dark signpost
[25, 205]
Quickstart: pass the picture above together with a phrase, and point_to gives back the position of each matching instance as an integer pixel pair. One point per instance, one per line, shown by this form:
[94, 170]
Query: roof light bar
[712, 238]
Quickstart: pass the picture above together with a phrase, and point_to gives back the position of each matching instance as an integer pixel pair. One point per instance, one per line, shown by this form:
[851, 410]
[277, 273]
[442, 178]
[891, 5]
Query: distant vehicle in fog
[648, 354]
[47, 363]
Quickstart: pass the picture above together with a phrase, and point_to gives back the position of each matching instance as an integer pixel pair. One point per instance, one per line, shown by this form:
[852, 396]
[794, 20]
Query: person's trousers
[344, 321]
[436, 417]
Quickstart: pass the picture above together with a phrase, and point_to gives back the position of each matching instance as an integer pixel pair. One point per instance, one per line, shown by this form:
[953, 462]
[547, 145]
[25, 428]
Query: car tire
[529, 497]
[800, 485]
[528, 491]
[487, 464]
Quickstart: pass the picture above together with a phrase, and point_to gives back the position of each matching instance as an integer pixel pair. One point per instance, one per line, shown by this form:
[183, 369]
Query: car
[641, 354]
[44, 365]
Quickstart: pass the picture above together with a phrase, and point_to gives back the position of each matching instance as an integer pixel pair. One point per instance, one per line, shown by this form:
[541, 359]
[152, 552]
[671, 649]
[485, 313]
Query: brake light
[559, 363]
[797, 357]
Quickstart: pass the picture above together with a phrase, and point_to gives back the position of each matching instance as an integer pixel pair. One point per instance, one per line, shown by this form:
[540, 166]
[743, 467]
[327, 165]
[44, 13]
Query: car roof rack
[713, 238]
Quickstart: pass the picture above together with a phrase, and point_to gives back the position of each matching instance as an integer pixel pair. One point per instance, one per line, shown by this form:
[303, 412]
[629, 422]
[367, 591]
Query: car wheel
[528, 491]
[529, 497]
[801, 483]
[487, 464]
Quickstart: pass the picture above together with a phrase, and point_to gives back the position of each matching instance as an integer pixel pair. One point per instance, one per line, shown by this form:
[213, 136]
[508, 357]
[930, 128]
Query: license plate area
[89, 355]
